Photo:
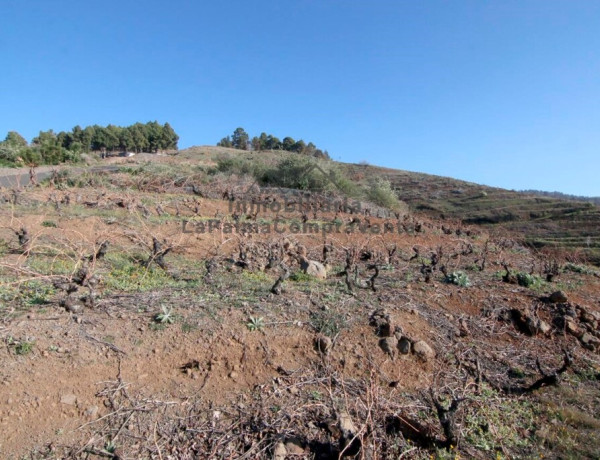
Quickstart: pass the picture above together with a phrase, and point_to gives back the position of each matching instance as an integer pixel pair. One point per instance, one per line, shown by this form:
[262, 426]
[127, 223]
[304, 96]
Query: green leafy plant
[300, 276]
[110, 447]
[165, 316]
[36, 293]
[575, 268]
[316, 395]
[496, 421]
[49, 223]
[20, 347]
[380, 192]
[328, 322]
[528, 280]
[3, 247]
[188, 327]
[255, 323]
[459, 279]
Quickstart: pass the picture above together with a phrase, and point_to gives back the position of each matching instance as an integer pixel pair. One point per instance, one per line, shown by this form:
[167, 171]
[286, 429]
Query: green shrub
[298, 172]
[232, 164]
[328, 322]
[35, 293]
[20, 347]
[459, 279]
[128, 274]
[528, 280]
[575, 268]
[3, 247]
[300, 276]
[9, 154]
[492, 421]
[344, 184]
[380, 192]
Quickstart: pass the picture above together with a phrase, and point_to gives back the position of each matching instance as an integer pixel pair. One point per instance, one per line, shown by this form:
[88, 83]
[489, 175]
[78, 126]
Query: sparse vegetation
[528, 280]
[459, 279]
[300, 276]
[577, 268]
[328, 322]
[20, 347]
[494, 422]
[443, 372]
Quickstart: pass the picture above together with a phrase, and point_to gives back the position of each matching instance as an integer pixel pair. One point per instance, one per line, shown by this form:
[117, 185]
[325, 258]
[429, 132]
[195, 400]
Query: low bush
[528, 280]
[458, 279]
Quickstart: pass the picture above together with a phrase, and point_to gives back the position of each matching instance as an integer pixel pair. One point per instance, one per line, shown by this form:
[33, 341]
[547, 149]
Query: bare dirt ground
[182, 350]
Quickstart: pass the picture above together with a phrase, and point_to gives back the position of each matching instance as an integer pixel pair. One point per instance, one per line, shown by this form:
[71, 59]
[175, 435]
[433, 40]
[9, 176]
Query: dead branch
[100, 253]
[547, 379]
[446, 417]
[373, 277]
[159, 251]
[24, 240]
[277, 287]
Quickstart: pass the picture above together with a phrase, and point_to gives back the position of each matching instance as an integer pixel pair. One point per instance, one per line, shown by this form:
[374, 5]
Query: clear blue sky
[504, 93]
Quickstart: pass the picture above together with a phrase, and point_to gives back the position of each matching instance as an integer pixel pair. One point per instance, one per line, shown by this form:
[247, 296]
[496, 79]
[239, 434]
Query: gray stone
[313, 268]
[558, 297]
[463, 327]
[543, 327]
[74, 307]
[68, 399]
[423, 351]
[589, 341]
[572, 328]
[404, 346]
[279, 452]
[294, 447]
[389, 345]
[91, 411]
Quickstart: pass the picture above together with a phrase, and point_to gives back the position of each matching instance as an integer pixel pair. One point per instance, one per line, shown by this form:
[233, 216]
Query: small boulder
[558, 297]
[314, 268]
[398, 333]
[294, 447]
[463, 327]
[349, 441]
[91, 411]
[423, 351]
[572, 328]
[68, 399]
[380, 319]
[386, 329]
[590, 317]
[404, 346]
[542, 327]
[323, 344]
[74, 307]
[589, 341]
[389, 345]
[279, 452]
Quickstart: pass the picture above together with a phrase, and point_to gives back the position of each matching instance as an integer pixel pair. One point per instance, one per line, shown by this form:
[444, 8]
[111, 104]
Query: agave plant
[255, 324]
[165, 316]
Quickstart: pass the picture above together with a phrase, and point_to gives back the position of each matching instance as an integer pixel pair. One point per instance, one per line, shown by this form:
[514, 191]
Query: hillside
[542, 222]
[145, 312]
[539, 221]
